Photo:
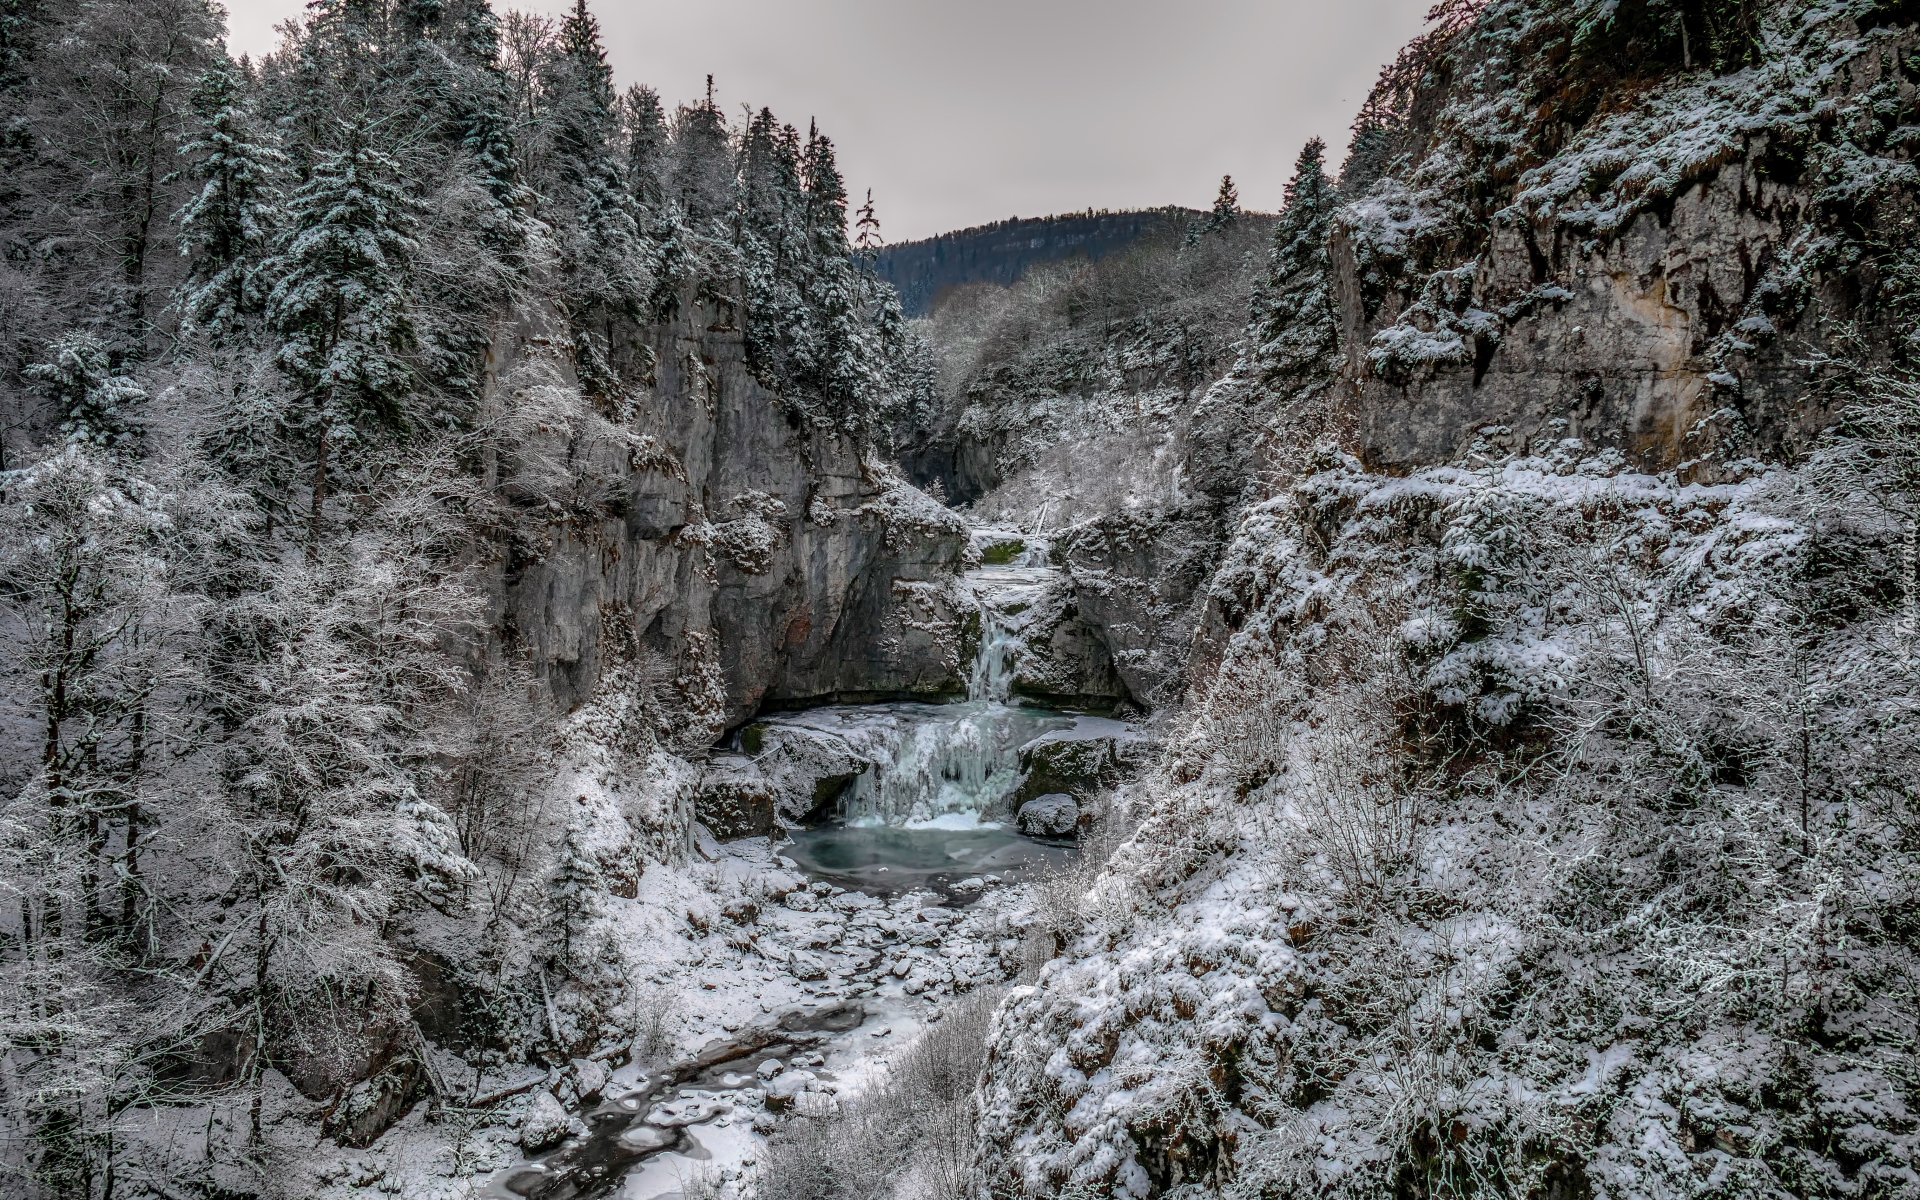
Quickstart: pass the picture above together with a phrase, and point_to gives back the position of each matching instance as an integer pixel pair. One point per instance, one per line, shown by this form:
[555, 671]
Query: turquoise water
[883, 858]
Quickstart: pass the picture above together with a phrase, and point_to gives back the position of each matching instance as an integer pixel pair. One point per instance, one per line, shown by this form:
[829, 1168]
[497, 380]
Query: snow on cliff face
[1547, 828]
[1640, 253]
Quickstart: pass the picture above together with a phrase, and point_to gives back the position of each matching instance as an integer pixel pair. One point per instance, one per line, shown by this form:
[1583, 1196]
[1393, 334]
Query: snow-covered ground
[809, 945]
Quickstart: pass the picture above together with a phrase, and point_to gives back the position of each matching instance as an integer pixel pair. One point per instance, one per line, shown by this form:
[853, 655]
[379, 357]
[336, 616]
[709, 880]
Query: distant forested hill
[1002, 252]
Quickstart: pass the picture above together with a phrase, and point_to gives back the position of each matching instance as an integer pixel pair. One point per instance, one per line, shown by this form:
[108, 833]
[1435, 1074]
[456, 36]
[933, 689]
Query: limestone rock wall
[736, 554]
[1673, 323]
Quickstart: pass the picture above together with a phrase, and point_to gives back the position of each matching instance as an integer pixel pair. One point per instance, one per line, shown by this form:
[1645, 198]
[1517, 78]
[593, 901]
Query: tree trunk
[319, 499]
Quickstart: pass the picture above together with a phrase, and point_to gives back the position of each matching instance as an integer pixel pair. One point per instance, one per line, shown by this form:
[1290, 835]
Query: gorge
[528, 674]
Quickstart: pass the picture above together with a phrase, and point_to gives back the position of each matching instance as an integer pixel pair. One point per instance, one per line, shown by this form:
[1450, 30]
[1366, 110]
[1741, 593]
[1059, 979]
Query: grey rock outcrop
[1139, 582]
[743, 553]
[1679, 338]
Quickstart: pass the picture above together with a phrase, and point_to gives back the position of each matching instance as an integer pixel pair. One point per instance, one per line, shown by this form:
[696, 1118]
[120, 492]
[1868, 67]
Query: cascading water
[939, 792]
[946, 766]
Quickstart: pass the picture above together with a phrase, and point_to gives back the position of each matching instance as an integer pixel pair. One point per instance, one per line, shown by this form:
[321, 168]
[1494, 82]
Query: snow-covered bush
[912, 1136]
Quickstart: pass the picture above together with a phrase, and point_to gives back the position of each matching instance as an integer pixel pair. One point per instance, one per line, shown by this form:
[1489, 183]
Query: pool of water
[882, 859]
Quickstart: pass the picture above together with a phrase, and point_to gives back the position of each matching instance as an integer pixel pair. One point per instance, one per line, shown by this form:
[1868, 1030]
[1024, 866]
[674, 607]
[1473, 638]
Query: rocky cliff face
[1658, 285]
[1616, 344]
[742, 557]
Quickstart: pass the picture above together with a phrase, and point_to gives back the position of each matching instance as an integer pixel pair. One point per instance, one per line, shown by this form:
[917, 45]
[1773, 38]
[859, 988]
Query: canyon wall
[752, 556]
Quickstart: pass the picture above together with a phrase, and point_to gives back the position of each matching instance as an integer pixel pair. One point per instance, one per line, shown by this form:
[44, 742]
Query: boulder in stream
[806, 770]
[546, 1123]
[1093, 755]
[1055, 815]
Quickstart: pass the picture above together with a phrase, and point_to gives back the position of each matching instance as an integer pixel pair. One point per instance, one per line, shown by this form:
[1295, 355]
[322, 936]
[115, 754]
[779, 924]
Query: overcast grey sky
[959, 113]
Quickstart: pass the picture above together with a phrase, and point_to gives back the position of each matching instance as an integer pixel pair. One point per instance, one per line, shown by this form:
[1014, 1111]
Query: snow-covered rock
[1054, 815]
[589, 1078]
[547, 1123]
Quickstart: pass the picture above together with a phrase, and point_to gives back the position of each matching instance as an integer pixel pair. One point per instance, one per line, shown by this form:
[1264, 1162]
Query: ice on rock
[647, 1138]
[590, 1077]
[691, 1110]
[806, 968]
[784, 1088]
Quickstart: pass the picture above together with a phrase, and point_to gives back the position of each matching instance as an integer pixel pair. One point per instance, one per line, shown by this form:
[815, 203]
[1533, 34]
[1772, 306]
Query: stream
[927, 824]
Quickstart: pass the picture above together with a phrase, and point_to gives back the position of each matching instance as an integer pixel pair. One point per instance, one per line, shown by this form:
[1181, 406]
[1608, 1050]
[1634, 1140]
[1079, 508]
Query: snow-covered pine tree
[227, 227]
[826, 197]
[98, 406]
[1293, 329]
[573, 897]
[339, 304]
[602, 251]
[840, 361]
[703, 167]
[488, 132]
[769, 171]
[772, 240]
[647, 148]
[444, 88]
[1226, 205]
[125, 68]
[867, 241]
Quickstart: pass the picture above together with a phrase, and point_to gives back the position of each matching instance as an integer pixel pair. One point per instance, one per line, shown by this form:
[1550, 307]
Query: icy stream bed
[905, 896]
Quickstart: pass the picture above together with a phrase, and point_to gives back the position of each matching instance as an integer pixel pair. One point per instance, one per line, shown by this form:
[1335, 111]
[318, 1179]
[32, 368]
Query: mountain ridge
[1002, 251]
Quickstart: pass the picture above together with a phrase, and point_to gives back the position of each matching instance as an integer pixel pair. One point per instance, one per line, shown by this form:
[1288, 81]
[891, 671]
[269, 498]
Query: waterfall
[991, 679]
[955, 766]
[951, 766]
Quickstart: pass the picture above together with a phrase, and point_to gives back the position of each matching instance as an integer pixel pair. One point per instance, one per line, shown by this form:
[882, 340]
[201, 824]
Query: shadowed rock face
[1139, 580]
[1614, 344]
[748, 555]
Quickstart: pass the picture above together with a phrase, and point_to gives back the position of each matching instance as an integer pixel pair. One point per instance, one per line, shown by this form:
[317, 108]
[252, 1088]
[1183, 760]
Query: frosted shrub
[1353, 811]
[1242, 725]
[654, 1016]
[914, 1136]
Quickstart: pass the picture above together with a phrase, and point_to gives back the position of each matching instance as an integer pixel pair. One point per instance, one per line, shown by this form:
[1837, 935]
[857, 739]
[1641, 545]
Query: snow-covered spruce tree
[1277, 398]
[1226, 205]
[602, 252]
[837, 360]
[487, 133]
[339, 306]
[95, 404]
[702, 179]
[573, 894]
[645, 121]
[458, 162]
[228, 227]
[773, 243]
